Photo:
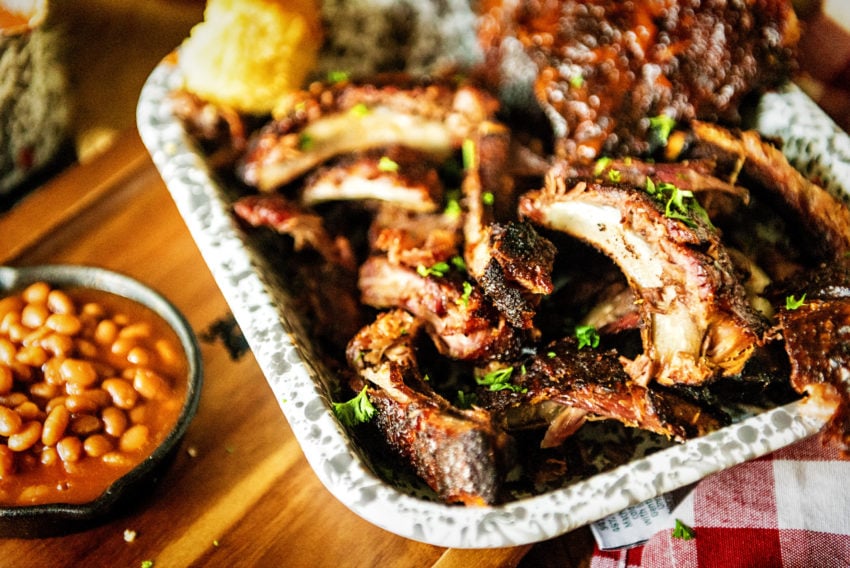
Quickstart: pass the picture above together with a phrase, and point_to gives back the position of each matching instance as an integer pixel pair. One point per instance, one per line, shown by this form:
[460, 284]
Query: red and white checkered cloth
[790, 509]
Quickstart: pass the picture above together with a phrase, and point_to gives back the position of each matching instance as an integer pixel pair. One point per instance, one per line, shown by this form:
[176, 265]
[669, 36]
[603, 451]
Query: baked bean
[70, 449]
[44, 390]
[106, 332]
[36, 292]
[139, 330]
[10, 304]
[58, 345]
[10, 421]
[26, 437]
[139, 414]
[122, 392]
[28, 410]
[13, 399]
[32, 355]
[150, 384]
[66, 324]
[54, 402]
[114, 421]
[96, 445]
[134, 439]
[7, 379]
[36, 336]
[7, 461]
[122, 345]
[78, 372]
[55, 425]
[34, 315]
[139, 356]
[49, 455]
[86, 349]
[7, 351]
[117, 459]
[85, 424]
[82, 403]
[59, 302]
[17, 331]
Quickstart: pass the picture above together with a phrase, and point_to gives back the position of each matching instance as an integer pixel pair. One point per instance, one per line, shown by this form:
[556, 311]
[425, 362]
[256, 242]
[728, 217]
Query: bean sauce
[90, 384]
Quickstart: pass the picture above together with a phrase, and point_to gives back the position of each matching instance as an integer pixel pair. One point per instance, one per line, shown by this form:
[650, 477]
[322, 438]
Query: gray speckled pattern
[259, 306]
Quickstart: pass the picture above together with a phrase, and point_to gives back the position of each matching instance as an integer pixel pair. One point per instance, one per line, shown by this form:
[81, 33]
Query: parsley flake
[306, 142]
[793, 303]
[437, 269]
[587, 336]
[577, 81]
[683, 531]
[467, 292]
[337, 76]
[458, 262]
[387, 164]
[614, 175]
[147, 564]
[601, 164]
[499, 380]
[662, 125]
[680, 204]
[488, 198]
[359, 110]
[356, 410]
[468, 153]
[466, 399]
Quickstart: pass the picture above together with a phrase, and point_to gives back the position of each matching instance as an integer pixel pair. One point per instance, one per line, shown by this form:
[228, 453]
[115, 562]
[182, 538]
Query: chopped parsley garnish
[601, 164]
[436, 269]
[305, 142]
[359, 109]
[337, 76]
[458, 262]
[386, 164]
[551, 354]
[576, 81]
[793, 303]
[683, 531]
[488, 198]
[614, 175]
[147, 564]
[680, 204]
[499, 380]
[467, 292]
[587, 336]
[468, 153]
[662, 125]
[356, 410]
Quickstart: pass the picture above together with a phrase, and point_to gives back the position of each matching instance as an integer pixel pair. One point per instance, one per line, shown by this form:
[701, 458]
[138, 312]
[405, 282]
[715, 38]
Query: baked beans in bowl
[99, 379]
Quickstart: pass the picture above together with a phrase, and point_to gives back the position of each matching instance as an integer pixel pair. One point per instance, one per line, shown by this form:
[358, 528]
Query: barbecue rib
[696, 323]
[398, 175]
[460, 454]
[462, 323]
[762, 167]
[344, 118]
[592, 384]
[604, 67]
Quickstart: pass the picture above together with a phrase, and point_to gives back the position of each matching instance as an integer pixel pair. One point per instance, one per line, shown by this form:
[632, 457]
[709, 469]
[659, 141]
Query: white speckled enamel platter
[259, 303]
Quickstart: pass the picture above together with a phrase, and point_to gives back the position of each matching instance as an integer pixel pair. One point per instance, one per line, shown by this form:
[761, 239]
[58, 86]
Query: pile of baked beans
[90, 383]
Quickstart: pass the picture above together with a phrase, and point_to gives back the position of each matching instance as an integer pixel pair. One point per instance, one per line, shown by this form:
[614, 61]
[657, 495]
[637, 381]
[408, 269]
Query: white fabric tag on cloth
[633, 525]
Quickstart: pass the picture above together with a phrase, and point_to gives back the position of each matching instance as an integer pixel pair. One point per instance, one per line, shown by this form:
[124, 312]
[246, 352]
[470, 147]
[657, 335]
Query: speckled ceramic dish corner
[259, 303]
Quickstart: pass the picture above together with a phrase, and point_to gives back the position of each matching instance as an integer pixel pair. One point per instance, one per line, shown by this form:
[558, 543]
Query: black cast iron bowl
[126, 492]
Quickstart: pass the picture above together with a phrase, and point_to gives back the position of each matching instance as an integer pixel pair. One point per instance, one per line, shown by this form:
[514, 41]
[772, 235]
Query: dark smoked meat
[604, 67]
[459, 453]
[755, 162]
[593, 381]
[328, 121]
[509, 259]
[288, 218]
[397, 175]
[696, 324]
[817, 340]
[462, 322]
[415, 239]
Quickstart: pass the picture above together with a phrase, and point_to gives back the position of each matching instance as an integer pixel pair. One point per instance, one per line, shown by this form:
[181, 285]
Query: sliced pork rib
[463, 324]
[460, 454]
[591, 383]
[398, 175]
[695, 321]
[329, 121]
[750, 159]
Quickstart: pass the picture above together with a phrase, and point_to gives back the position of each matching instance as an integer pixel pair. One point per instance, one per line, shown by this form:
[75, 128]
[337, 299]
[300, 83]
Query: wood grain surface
[240, 492]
